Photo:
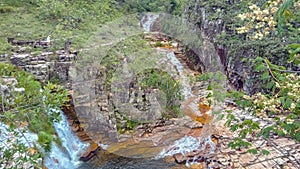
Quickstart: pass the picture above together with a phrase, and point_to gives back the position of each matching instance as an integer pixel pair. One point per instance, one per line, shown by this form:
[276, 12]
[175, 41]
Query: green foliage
[285, 14]
[216, 82]
[294, 53]
[239, 143]
[158, 44]
[45, 139]
[16, 154]
[32, 107]
[273, 47]
[171, 6]
[124, 48]
[67, 20]
[6, 9]
[156, 79]
[129, 126]
[280, 100]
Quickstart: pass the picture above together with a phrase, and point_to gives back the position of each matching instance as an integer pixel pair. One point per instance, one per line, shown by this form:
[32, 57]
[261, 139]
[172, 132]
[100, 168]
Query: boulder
[91, 152]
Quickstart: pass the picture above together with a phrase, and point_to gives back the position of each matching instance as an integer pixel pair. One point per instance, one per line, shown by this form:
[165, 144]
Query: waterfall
[187, 144]
[67, 156]
[187, 91]
[148, 21]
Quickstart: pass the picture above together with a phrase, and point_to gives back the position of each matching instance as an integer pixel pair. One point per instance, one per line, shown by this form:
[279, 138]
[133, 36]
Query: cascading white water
[67, 156]
[148, 21]
[187, 91]
[188, 143]
[64, 157]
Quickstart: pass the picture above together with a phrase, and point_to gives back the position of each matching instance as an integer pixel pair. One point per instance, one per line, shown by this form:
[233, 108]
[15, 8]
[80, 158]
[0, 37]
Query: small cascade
[187, 91]
[183, 145]
[148, 21]
[68, 155]
[65, 156]
[188, 145]
[193, 149]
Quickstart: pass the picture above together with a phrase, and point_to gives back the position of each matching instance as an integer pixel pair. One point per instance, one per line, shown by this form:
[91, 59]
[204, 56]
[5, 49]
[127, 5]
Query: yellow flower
[242, 16]
[266, 33]
[265, 11]
[274, 10]
[246, 97]
[272, 24]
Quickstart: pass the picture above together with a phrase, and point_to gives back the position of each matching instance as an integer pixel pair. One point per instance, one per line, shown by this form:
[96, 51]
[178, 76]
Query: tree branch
[270, 71]
[287, 71]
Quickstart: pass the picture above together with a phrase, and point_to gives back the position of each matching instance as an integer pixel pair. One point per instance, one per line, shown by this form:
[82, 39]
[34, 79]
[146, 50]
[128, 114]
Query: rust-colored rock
[91, 152]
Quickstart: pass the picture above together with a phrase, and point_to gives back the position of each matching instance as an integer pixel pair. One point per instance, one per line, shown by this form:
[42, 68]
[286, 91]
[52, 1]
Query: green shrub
[158, 44]
[157, 79]
[32, 108]
[6, 9]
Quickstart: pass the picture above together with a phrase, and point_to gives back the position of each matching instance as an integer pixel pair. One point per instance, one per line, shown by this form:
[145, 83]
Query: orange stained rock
[205, 119]
[32, 151]
[168, 47]
[193, 166]
[195, 132]
[215, 140]
[204, 108]
[93, 147]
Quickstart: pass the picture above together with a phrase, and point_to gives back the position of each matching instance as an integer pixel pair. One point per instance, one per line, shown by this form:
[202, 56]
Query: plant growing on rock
[156, 79]
[29, 110]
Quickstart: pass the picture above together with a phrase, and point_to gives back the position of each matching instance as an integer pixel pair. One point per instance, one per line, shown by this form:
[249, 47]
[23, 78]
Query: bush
[31, 108]
[6, 9]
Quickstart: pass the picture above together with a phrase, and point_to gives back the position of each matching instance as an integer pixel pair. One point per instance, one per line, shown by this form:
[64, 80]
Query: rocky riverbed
[161, 138]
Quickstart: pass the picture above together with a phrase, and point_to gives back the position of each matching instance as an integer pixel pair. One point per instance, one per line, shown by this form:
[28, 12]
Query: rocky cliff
[217, 21]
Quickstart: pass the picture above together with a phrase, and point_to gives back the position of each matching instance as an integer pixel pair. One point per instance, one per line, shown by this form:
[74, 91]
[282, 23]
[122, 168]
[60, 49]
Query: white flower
[293, 106]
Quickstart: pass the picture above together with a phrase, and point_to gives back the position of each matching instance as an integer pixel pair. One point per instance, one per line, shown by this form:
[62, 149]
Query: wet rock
[180, 158]
[194, 125]
[91, 152]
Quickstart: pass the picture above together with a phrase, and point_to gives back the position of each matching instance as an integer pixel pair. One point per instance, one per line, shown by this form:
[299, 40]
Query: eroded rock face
[235, 70]
[43, 65]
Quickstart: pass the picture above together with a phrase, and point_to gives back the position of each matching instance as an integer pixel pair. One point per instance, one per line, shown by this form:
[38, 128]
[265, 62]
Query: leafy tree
[31, 111]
